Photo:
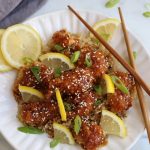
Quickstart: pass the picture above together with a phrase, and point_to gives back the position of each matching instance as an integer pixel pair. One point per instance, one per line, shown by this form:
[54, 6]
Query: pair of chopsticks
[138, 87]
[139, 81]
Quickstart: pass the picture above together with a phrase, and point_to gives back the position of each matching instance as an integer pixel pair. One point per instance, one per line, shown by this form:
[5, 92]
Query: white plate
[46, 25]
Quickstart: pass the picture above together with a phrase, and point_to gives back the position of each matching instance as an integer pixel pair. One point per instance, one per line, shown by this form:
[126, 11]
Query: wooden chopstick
[113, 52]
[140, 94]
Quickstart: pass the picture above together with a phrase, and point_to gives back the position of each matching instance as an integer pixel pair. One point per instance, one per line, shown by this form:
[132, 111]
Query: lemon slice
[30, 94]
[19, 42]
[3, 64]
[61, 105]
[62, 133]
[105, 28]
[109, 84]
[112, 124]
[57, 60]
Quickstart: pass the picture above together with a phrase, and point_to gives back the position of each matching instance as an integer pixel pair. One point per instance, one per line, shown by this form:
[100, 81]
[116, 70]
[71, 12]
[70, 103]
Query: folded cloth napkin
[6, 6]
[17, 11]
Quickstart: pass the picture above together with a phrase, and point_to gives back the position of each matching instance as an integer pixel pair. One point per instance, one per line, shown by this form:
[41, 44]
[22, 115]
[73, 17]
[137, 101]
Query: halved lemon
[30, 94]
[105, 28]
[112, 124]
[109, 84]
[3, 64]
[57, 60]
[62, 133]
[18, 42]
[61, 105]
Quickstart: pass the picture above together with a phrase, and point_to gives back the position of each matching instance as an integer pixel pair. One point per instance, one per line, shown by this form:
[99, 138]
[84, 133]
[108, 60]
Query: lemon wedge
[105, 28]
[109, 84]
[112, 124]
[61, 105]
[62, 133]
[4, 67]
[57, 60]
[18, 42]
[30, 94]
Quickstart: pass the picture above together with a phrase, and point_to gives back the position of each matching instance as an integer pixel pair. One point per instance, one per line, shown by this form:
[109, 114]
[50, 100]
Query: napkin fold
[16, 11]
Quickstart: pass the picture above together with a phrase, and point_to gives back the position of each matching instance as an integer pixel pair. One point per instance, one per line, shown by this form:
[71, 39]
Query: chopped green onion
[111, 3]
[88, 60]
[147, 6]
[119, 84]
[146, 14]
[30, 130]
[57, 72]
[67, 106]
[77, 124]
[98, 89]
[97, 102]
[54, 142]
[27, 60]
[75, 56]
[135, 54]
[58, 47]
[36, 72]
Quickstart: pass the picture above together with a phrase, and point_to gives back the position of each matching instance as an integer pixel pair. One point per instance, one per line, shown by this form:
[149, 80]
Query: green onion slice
[119, 84]
[97, 102]
[146, 14]
[75, 56]
[57, 72]
[54, 142]
[77, 124]
[30, 130]
[67, 106]
[36, 72]
[135, 54]
[88, 60]
[58, 47]
[147, 6]
[111, 3]
[98, 89]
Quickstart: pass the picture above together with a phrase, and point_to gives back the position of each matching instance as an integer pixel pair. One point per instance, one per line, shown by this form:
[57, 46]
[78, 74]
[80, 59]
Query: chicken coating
[127, 79]
[25, 77]
[82, 104]
[67, 41]
[37, 114]
[100, 61]
[72, 82]
[90, 137]
[120, 102]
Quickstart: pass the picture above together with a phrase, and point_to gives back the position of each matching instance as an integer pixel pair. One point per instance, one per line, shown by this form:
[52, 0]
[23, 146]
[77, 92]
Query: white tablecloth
[135, 21]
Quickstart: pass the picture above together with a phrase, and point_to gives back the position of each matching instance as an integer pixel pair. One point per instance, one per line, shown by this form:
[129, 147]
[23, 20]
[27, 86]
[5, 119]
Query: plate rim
[136, 37]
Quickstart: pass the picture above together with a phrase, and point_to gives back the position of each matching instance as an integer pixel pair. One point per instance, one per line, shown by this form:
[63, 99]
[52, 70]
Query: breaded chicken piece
[25, 77]
[90, 137]
[37, 114]
[72, 82]
[82, 104]
[120, 102]
[100, 61]
[67, 41]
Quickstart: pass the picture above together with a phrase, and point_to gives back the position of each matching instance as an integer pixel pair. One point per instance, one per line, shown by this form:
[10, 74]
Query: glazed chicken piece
[67, 41]
[119, 102]
[25, 77]
[100, 61]
[82, 104]
[90, 137]
[70, 43]
[72, 82]
[37, 114]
